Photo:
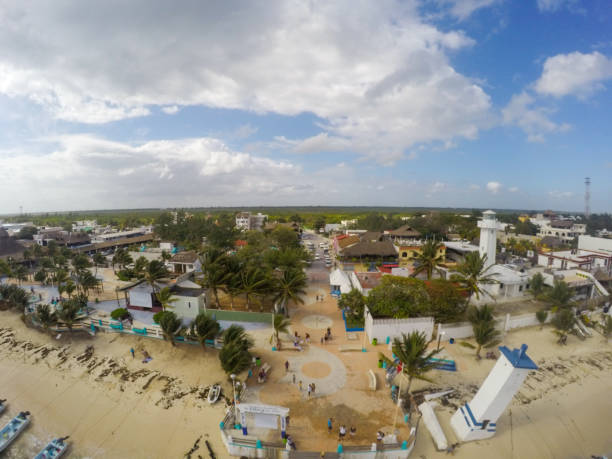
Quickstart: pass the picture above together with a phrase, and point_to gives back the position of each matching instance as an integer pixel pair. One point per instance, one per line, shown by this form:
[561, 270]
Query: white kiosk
[477, 419]
[264, 416]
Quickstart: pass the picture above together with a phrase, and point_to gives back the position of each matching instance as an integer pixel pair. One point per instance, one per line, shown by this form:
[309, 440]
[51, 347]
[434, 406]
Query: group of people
[342, 430]
[320, 297]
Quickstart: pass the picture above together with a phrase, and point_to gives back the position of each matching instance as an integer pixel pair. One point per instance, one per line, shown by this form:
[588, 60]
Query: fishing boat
[213, 393]
[12, 430]
[56, 448]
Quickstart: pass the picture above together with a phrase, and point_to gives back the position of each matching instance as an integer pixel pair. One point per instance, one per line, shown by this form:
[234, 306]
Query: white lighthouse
[477, 419]
[488, 236]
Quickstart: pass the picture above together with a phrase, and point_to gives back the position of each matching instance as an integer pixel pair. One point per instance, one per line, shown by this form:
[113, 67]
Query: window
[520, 288]
[501, 286]
[189, 304]
[404, 254]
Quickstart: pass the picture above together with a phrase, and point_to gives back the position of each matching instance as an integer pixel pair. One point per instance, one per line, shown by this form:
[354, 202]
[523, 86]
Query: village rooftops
[346, 241]
[185, 257]
[461, 247]
[404, 231]
[369, 280]
[370, 249]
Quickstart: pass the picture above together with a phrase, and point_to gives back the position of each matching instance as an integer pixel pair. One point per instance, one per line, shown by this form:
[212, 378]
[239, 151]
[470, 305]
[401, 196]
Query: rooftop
[185, 257]
[518, 357]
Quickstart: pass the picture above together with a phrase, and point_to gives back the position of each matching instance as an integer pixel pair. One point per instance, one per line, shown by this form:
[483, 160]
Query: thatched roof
[405, 231]
[370, 249]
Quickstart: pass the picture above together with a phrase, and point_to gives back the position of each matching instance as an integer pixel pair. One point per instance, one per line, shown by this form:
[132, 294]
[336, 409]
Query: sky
[449, 103]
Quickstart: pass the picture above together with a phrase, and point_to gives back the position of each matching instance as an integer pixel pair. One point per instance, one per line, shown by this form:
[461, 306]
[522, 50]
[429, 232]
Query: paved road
[317, 272]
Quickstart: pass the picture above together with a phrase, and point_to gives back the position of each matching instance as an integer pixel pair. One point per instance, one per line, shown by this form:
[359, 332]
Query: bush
[120, 314]
[125, 275]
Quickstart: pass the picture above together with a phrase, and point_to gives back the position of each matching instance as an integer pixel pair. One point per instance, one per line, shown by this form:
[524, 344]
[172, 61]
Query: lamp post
[233, 376]
[439, 338]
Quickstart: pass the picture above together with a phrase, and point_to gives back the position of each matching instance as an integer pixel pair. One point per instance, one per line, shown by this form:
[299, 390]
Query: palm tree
[21, 274]
[87, 281]
[68, 313]
[281, 325]
[290, 286]
[45, 316]
[411, 350]
[561, 294]
[237, 334]
[234, 358]
[204, 328]
[483, 326]
[472, 273]
[59, 277]
[428, 259]
[98, 260]
[80, 263]
[564, 322]
[536, 285]
[542, 315]
[164, 296]
[253, 282]
[216, 277]
[69, 288]
[154, 272]
[140, 265]
[170, 325]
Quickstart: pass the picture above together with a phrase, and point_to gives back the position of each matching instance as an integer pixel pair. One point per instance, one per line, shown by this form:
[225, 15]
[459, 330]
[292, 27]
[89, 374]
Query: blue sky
[471, 103]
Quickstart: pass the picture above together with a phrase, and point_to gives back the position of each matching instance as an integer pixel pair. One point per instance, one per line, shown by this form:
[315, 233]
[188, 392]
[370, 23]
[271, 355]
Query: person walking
[342, 432]
[313, 388]
[329, 425]
[353, 431]
[293, 378]
[300, 386]
[132, 352]
[286, 366]
[309, 390]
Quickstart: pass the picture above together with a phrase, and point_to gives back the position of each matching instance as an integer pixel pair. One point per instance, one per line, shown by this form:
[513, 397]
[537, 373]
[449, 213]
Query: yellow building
[523, 218]
[409, 253]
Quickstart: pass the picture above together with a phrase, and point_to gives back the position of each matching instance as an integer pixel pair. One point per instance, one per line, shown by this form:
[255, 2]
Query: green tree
[98, 260]
[154, 272]
[164, 296]
[429, 258]
[171, 326]
[253, 282]
[68, 313]
[290, 286]
[536, 285]
[560, 295]
[353, 304]
[216, 276]
[398, 297]
[542, 315]
[281, 325]
[204, 328]
[45, 316]
[412, 350]
[237, 334]
[483, 326]
[140, 266]
[234, 355]
[447, 301]
[472, 273]
[564, 322]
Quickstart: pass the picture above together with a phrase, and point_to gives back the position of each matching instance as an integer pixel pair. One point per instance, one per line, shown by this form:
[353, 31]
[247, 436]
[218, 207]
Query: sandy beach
[112, 405]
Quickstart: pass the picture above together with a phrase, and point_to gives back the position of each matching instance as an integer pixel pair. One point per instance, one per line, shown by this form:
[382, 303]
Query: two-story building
[565, 230]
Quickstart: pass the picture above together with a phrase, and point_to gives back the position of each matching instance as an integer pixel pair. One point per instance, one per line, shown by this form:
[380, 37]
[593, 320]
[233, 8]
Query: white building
[247, 221]
[339, 282]
[565, 230]
[107, 237]
[511, 282]
[584, 284]
[488, 236]
[185, 262]
[477, 419]
[576, 259]
[595, 244]
[330, 227]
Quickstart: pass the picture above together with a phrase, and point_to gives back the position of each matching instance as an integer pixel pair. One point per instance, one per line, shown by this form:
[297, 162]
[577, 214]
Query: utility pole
[587, 197]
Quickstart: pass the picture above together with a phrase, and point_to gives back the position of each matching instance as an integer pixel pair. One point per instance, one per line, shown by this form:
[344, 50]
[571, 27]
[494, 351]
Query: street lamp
[439, 338]
[233, 376]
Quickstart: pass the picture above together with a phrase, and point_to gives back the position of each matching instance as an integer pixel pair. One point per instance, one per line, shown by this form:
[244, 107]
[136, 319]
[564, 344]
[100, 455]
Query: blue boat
[12, 430]
[56, 448]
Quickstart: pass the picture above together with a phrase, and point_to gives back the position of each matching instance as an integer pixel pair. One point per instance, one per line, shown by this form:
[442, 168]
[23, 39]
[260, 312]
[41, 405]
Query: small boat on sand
[12, 430]
[56, 448]
[213, 393]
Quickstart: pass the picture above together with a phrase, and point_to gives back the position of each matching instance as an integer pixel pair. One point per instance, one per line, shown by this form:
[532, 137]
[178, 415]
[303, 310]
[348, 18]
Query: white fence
[464, 329]
[392, 328]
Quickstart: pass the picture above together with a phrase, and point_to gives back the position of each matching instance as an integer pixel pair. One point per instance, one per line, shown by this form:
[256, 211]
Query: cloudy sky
[475, 103]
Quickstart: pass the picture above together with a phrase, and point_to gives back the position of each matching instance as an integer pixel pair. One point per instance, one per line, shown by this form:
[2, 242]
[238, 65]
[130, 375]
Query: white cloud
[494, 187]
[437, 187]
[513, 189]
[574, 74]
[462, 9]
[555, 5]
[378, 78]
[560, 194]
[97, 173]
[171, 109]
[522, 112]
[474, 187]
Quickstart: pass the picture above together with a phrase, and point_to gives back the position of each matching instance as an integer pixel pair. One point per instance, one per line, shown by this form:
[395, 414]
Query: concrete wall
[392, 328]
[188, 306]
[505, 323]
[240, 316]
[596, 244]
